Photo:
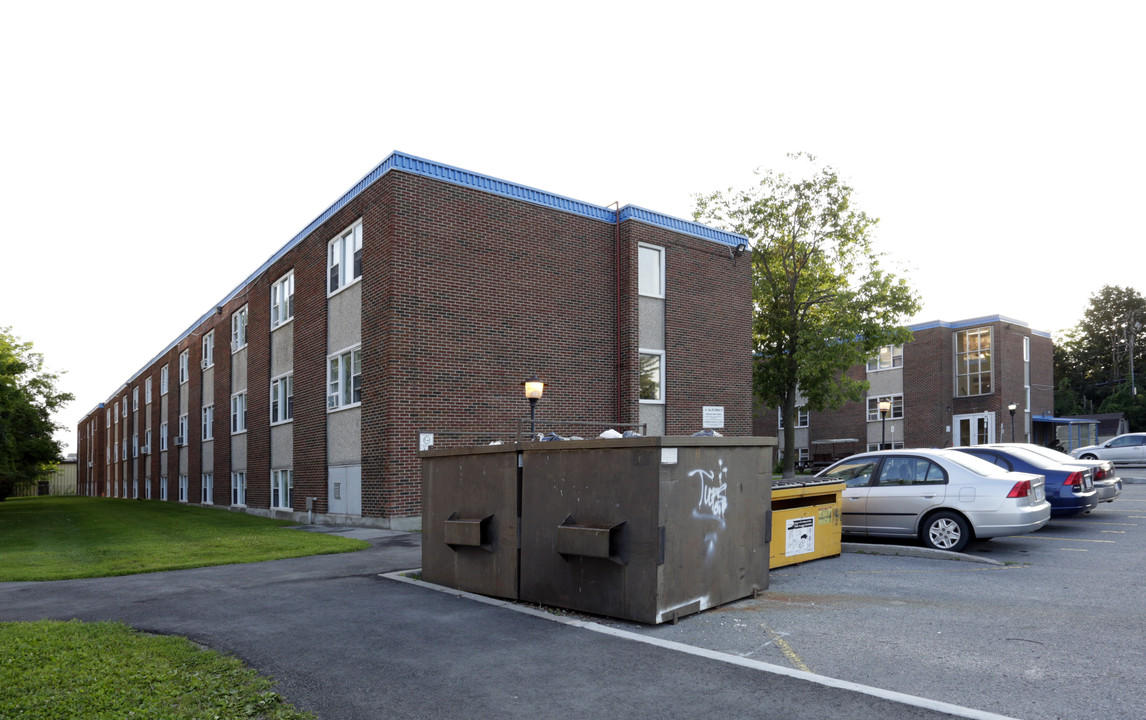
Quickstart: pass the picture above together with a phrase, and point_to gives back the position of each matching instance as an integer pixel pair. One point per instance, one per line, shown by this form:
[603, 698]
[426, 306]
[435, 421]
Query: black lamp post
[534, 389]
[884, 409]
[1012, 407]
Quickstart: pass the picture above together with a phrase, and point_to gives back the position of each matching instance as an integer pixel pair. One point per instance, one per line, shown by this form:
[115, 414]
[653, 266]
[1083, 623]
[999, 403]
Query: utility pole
[1133, 326]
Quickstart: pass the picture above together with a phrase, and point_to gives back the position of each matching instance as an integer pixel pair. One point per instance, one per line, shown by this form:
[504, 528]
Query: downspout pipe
[620, 306]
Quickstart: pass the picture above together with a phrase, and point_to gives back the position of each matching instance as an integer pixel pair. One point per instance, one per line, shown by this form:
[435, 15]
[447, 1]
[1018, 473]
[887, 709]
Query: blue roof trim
[955, 325]
[686, 227]
[439, 171]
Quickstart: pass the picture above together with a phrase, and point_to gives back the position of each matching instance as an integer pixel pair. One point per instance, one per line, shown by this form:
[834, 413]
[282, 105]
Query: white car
[943, 497]
[1129, 449]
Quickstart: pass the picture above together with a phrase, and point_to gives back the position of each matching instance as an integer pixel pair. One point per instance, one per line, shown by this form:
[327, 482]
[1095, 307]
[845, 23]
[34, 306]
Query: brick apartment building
[951, 385]
[415, 305]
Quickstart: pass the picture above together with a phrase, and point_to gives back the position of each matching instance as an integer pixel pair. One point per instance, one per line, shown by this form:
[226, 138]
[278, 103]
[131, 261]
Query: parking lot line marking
[1074, 550]
[1114, 532]
[1062, 539]
[1085, 522]
[786, 649]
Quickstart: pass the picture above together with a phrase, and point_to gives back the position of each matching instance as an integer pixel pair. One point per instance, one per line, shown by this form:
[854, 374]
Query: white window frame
[135, 445]
[661, 380]
[282, 300]
[239, 489]
[184, 366]
[183, 427]
[897, 445]
[163, 372]
[282, 399]
[207, 489]
[895, 359]
[147, 488]
[147, 390]
[802, 417]
[239, 412]
[208, 422]
[135, 399]
[147, 440]
[162, 436]
[643, 250]
[282, 483]
[341, 269]
[123, 407]
[207, 359]
[163, 487]
[183, 488]
[989, 373]
[340, 379]
[115, 413]
[896, 412]
[239, 329]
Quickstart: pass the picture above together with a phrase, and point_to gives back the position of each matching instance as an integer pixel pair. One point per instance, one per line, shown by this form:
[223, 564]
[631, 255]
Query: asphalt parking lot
[1045, 625]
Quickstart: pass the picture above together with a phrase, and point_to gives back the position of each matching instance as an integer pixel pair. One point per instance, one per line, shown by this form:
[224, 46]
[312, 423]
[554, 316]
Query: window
[125, 450]
[208, 357]
[239, 329]
[238, 488]
[147, 441]
[973, 362]
[890, 356]
[652, 376]
[184, 359]
[163, 487]
[898, 471]
[108, 414]
[123, 407]
[135, 399]
[163, 380]
[651, 270]
[115, 414]
[282, 485]
[162, 436]
[282, 399]
[135, 445]
[182, 488]
[209, 422]
[282, 300]
[872, 447]
[147, 488]
[182, 434]
[208, 489]
[873, 407]
[344, 380]
[801, 418]
[344, 259]
[239, 412]
[147, 390]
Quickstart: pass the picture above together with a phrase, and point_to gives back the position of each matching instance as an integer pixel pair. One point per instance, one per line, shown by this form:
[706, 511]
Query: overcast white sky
[153, 154]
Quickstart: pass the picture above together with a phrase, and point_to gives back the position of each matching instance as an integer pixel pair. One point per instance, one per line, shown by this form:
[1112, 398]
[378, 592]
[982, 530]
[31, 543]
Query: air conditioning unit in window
[180, 441]
[234, 345]
[90, 463]
[204, 364]
[146, 449]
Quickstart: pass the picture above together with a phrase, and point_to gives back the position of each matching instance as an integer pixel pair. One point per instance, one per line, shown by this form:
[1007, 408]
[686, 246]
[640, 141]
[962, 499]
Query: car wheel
[946, 531]
[1088, 456]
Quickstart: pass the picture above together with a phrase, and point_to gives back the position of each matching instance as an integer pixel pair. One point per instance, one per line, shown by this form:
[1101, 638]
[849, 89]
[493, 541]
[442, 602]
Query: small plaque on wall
[713, 416]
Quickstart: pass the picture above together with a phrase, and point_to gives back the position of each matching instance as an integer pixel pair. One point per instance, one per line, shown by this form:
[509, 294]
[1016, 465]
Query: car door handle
[929, 496]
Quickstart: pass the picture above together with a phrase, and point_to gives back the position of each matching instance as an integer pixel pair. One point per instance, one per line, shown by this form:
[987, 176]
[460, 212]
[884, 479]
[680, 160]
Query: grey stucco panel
[653, 415]
[207, 459]
[239, 452]
[208, 385]
[183, 456]
[239, 370]
[282, 446]
[282, 349]
[344, 437]
[344, 319]
[652, 323]
[885, 382]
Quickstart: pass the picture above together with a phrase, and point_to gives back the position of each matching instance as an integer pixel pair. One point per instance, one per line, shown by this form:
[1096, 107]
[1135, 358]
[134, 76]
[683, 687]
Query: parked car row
[947, 497]
[1128, 449]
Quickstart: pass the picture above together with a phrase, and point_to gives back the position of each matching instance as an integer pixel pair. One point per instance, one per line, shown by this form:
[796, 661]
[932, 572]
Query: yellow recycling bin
[806, 522]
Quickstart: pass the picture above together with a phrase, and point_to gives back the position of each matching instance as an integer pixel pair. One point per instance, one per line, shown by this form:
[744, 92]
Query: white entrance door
[976, 429]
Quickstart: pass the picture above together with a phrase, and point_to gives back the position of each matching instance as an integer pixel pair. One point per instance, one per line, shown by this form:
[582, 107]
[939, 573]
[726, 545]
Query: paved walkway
[346, 642]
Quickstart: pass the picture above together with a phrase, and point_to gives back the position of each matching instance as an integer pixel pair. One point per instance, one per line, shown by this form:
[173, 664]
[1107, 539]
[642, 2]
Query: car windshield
[977, 465]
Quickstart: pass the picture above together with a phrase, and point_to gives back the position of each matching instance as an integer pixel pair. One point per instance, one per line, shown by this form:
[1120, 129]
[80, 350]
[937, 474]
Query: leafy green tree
[28, 397]
[822, 302]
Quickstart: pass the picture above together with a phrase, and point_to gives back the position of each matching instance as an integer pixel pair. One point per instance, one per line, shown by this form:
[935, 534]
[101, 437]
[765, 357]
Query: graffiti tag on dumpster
[713, 491]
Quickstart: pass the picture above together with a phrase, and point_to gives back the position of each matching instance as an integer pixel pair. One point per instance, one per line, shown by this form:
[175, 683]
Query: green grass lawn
[58, 538]
[55, 670]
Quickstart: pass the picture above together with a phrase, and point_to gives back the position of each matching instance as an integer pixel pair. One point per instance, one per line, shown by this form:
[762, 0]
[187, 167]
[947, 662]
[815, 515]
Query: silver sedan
[1129, 449]
[942, 497]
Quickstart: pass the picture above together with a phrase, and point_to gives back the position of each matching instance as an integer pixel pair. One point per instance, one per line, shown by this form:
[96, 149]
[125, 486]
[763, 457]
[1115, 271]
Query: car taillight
[1075, 479]
[1021, 489]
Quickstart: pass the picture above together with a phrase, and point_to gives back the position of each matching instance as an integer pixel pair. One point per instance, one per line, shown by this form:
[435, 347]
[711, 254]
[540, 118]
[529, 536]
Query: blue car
[1070, 488]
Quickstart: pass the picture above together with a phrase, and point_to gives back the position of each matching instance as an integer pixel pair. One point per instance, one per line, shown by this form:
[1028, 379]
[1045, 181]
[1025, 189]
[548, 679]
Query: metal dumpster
[645, 529]
[806, 522]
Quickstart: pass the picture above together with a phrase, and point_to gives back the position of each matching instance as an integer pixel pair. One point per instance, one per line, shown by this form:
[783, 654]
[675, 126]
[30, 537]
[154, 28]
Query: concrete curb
[912, 551]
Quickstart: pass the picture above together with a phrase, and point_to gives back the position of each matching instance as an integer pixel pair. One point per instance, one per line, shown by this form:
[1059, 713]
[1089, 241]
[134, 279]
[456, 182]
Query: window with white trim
[872, 447]
[135, 445]
[344, 379]
[163, 380]
[973, 362]
[182, 488]
[207, 359]
[163, 487]
[147, 441]
[873, 402]
[162, 436]
[238, 488]
[282, 486]
[344, 259]
[889, 356]
[147, 488]
[282, 399]
[123, 407]
[282, 300]
[115, 414]
[652, 378]
[207, 495]
[147, 390]
[135, 399]
[239, 329]
[239, 412]
[182, 434]
[801, 418]
[651, 270]
[209, 422]
[184, 361]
